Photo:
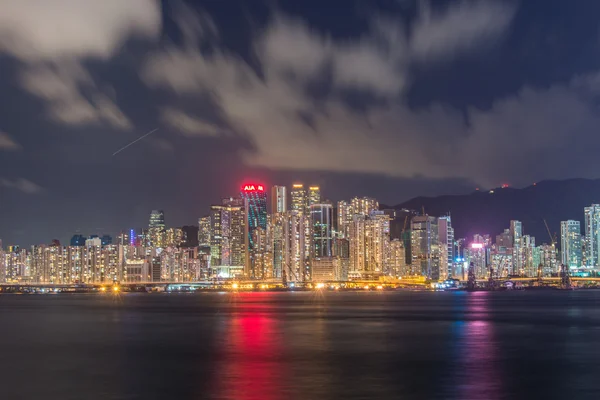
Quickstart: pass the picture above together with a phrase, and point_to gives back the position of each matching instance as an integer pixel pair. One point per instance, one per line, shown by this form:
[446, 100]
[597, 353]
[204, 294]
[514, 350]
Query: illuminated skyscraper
[174, 237]
[446, 237]
[477, 253]
[344, 218]
[255, 204]
[299, 198]
[314, 195]
[278, 199]
[227, 236]
[398, 265]
[516, 230]
[425, 246]
[592, 235]
[156, 229]
[364, 205]
[321, 216]
[369, 244]
[204, 231]
[294, 246]
[277, 242]
[570, 240]
[530, 256]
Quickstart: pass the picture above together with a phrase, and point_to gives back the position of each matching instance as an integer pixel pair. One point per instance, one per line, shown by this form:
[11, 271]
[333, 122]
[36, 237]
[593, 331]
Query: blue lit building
[78, 240]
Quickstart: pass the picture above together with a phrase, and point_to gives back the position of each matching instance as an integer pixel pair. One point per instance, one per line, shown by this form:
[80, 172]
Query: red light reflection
[250, 366]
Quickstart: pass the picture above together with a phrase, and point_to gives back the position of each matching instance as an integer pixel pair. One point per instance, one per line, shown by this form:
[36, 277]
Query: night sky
[390, 99]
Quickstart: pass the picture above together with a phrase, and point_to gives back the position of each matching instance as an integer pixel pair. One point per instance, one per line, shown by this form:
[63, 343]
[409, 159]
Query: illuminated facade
[516, 231]
[370, 245]
[570, 240]
[156, 229]
[501, 258]
[363, 205]
[398, 266]
[314, 195]
[174, 237]
[299, 198]
[204, 229]
[477, 253]
[446, 238]
[277, 243]
[592, 235]
[294, 246]
[321, 219]
[255, 206]
[278, 199]
[344, 218]
[227, 235]
[425, 246]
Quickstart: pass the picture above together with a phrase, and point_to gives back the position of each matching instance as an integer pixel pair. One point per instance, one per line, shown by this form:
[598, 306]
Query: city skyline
[304, 239]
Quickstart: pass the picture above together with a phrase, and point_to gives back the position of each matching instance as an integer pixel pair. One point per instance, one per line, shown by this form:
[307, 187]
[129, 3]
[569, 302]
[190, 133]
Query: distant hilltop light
[505, 185]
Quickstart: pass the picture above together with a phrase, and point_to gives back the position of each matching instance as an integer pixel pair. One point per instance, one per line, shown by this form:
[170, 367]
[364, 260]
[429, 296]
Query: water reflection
[249, 364]
[478, 374]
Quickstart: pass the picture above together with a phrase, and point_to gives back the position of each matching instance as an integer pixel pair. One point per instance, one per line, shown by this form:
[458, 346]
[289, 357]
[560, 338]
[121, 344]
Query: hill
[490, 212]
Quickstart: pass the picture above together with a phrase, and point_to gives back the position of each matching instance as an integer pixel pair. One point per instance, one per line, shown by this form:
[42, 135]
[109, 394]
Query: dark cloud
[373, 98]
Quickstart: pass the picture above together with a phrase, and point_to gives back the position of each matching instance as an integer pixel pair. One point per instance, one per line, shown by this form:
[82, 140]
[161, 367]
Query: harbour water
[304, 345]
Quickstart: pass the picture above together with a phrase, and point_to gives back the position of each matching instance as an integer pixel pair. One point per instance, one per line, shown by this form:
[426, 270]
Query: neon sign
[253, 188]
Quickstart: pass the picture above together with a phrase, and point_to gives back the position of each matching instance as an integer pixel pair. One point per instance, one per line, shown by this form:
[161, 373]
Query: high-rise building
[174, 237]
[505, 239]
[592, 235]
[314, 195]
[364, 205]
[398, 265]
[93, 241]
[321, 217]
[369, 245]
[278, 199]
[477, 254]
[516, 231]
[548, 259]
[425, 246]
[446, 238]
[570, 240]
[255, 205]
[156, 229]
[277, 239]
[204, 228]
[501, 257]
[299, 198]
[294, 247]
[344, 218]
[227, 236]
[530, 256]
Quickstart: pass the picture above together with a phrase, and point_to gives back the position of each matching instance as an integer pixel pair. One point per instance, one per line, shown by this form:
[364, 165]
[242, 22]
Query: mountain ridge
[490, 211]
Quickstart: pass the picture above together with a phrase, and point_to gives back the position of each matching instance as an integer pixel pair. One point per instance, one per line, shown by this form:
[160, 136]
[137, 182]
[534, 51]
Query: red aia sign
[253, 188]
